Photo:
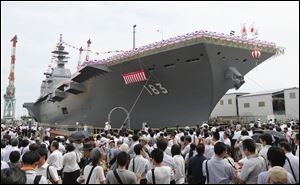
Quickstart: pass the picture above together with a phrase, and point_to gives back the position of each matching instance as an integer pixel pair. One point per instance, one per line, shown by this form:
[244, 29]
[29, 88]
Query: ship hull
[184, 86]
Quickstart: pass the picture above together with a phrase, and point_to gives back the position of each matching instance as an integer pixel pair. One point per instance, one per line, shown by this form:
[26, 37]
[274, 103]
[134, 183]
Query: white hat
[144, 138]
[124, 147]
[213, 129]
[187, 128]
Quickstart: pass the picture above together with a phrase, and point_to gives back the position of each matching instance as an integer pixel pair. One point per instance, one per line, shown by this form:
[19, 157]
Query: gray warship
[185, 78]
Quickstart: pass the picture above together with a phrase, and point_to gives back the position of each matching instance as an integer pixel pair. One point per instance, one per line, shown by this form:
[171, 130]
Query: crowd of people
[212, 154]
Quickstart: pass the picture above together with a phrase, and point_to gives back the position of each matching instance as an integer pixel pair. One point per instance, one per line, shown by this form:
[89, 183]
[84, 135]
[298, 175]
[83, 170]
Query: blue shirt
[195, 169]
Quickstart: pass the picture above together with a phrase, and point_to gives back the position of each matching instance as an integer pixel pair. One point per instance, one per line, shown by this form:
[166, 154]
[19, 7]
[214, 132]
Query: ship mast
[60, 54]
[9, 97]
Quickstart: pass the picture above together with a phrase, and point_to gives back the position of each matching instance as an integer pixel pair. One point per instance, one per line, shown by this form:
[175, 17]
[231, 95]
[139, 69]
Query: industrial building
[279, 104]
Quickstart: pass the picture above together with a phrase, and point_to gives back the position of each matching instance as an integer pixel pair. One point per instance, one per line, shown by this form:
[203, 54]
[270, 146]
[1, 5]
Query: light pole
[162, 33]
[134, 36]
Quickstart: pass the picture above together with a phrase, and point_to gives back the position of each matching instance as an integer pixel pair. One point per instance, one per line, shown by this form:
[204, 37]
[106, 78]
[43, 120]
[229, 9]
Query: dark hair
[267, 138]
[250, 145]
[24, 143]
[14, 142]
[157, 155]
[182, 138]
[70, 147]
[287, 146]
[135, 137]
[276, 156]
[245, 133]
[3, 143]
[123, 159]
[216, 135]
[297, 136]
[219, 148]
[30, 157]
[162, 144]
[137, 149]
[55, 144]
[175, 150]
[200, 149]
[43, 153]
[33, 147]
[13, 175]
[228, 149]
[14, 156]
[192, 149]
[188, 138]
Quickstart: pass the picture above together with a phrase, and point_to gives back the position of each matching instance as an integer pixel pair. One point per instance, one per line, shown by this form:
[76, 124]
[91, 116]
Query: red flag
[244, 31]
[134, 77]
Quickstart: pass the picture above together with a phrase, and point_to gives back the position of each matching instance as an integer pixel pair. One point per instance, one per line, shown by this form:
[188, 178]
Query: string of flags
[94, 52]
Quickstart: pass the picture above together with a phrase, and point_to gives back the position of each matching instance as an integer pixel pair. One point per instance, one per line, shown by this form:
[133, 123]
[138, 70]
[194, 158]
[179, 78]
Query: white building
[227, 107]
[280, 104]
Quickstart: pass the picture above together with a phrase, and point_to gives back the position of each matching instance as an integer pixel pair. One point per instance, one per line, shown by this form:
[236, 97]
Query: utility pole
[134, 36]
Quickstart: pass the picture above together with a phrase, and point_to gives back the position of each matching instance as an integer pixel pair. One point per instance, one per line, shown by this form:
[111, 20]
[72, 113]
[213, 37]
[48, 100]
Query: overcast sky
[109, 25]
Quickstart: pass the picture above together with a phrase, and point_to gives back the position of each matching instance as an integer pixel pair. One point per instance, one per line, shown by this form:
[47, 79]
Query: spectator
[71, 168]
[277, 175]
[187, 142]
[194, 169]
[13, 175]
[93, 173]
[179, 163]
[139, 165]
[253, 165]
[226, 138]
[297, 144]
[292, 162]
[191, 153]
[121, 175]
[55, 159]
[45, 169]
[14, 159]
[167, 160]
[30, 162]
[160, 174]
[276, 158]
[266, 140]
[216, 170]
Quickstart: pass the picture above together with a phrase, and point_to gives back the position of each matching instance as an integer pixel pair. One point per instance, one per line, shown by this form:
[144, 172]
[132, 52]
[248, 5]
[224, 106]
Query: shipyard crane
[9, 97]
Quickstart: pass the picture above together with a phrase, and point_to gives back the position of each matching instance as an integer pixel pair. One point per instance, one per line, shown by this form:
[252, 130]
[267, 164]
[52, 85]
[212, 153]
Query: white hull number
[156, 89]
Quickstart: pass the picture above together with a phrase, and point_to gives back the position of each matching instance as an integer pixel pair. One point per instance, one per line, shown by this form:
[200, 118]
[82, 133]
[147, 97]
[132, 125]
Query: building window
[221, 102]
[246, 105]
[261, 104]
[229, 101]
[292, 95]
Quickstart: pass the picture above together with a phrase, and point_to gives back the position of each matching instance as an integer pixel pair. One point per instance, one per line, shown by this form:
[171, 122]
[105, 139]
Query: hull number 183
[156, 89]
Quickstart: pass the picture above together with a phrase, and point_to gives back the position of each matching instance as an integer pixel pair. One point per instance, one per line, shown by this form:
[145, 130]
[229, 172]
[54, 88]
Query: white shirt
[180, 169]
[70, 162]
[7, 152]
[4, 165]
[52, 171]
[162, 175]
[30, 176]
[209, 151]
[141, 166]
[264, 150]
[97, 174]
[252, 167]
[295, 165]
[220, 172]
[56, 159]
[186, 149]
[227, 141]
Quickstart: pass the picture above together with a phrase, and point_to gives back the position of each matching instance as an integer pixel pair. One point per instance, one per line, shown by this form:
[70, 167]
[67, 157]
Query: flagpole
[134, 36]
